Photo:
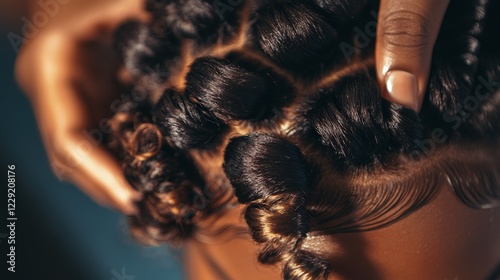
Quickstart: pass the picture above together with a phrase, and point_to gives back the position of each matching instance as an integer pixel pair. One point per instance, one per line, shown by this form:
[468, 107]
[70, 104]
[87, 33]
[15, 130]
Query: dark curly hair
[255, 102]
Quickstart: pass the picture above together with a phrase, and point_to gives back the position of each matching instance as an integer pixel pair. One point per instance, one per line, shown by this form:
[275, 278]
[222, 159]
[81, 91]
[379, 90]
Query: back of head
[260, 100]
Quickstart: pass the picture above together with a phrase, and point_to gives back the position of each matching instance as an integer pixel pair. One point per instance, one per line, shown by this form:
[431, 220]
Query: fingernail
[402, 88]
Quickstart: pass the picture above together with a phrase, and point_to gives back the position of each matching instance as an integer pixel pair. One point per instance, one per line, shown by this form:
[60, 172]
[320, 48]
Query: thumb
[406, 33]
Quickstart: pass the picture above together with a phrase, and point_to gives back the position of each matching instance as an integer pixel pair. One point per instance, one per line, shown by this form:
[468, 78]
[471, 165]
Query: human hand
[69, 73]
[406, 34]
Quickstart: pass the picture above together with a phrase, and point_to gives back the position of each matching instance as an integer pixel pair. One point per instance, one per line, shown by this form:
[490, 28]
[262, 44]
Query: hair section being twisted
[271, 177]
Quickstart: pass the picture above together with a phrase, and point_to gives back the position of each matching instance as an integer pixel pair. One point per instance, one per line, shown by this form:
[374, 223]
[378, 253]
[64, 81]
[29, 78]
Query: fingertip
[406, 33]
[126, 202]
[130, 209]
[401, 87]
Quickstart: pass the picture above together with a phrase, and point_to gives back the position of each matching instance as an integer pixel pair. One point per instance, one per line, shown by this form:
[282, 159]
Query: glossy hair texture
[263, 102]
[253, 97]
[143, 52]
[167, 177]
[457, 70]
[293, 35]
[271, 176]
[341, 11]
[371, 128]
[203, 20]
[187, 124]
[483, 116]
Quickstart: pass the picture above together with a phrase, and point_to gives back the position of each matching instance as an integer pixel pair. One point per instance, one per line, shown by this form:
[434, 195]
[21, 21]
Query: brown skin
[236, 258]
[443, 240]
[407, 31]
[69, 73]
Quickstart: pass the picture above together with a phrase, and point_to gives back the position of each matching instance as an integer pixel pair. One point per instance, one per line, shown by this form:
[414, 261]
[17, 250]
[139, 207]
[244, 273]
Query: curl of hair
[293, 35]
[187, 124]
[271, 176]
[167, 178]
[203, 20]
[356, 124]
[233, 92]
[168, 182]
[143, 52]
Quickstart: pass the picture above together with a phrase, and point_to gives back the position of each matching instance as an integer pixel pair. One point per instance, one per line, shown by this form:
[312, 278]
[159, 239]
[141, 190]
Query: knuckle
[405, 31]
[60, 151]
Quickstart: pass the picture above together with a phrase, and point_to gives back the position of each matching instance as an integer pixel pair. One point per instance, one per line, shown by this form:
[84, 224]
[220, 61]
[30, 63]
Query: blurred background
[60, 232]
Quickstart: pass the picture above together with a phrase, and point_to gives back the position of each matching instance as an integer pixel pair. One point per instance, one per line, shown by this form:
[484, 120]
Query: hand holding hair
[62, 73]
[406, 33]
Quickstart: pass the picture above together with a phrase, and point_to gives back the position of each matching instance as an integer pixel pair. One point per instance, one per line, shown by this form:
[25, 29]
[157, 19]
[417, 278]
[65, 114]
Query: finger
[48, 71]
[406, 34]
[97, 173]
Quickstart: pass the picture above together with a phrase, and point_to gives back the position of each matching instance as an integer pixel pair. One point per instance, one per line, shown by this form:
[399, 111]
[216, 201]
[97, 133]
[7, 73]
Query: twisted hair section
[461, 65]
[359, 128]
[185, 123]
[170, 183]
[204, 21]
[145, 52]
[253, 97]
[271, 177]
[293, 35]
